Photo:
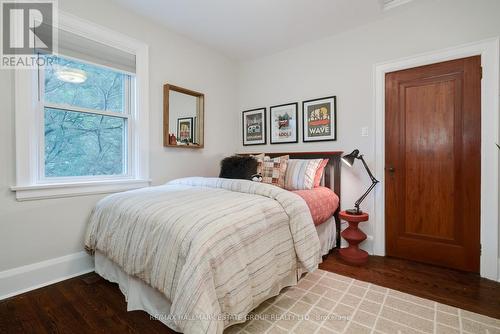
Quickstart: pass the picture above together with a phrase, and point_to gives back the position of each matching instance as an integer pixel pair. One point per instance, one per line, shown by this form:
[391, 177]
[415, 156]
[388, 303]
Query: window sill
[59, 190]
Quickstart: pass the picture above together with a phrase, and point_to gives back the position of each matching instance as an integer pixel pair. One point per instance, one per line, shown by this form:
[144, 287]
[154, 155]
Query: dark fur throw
[238, 167]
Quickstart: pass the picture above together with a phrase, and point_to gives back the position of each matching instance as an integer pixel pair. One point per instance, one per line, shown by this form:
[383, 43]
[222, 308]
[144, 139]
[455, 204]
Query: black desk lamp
[349, 161]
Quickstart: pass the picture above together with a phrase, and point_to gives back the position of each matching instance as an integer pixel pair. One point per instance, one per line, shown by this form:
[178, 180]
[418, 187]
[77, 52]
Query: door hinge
[480, 249]
[481, 72]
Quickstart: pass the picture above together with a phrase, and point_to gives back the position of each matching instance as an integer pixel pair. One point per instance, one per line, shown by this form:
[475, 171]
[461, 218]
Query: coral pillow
[322, 203]
[319, 172]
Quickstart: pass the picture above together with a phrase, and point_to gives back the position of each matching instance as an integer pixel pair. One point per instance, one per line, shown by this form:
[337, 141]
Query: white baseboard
[26, 278]
[498, 275]
[30, 277]
[367, 245]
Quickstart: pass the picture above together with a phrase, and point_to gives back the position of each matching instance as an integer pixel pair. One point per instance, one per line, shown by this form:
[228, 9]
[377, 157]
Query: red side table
[354, 236]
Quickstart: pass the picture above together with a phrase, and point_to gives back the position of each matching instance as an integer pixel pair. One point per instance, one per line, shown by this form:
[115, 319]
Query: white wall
[39, 230]
[342, 65]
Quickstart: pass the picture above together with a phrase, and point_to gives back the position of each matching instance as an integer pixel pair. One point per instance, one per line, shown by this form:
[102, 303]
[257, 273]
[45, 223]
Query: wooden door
[433, 163]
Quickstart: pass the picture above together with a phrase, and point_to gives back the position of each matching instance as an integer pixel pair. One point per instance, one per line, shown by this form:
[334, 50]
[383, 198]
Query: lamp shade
[349, 159]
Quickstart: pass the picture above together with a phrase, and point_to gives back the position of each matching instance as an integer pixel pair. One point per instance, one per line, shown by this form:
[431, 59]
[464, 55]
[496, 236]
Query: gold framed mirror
[183, 117]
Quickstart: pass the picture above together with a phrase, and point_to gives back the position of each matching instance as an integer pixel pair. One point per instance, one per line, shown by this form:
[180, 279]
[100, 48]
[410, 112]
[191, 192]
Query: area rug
[326, 303]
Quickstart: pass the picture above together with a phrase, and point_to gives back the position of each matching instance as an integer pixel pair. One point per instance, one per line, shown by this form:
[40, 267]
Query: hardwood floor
[85, 304]
[90, 304]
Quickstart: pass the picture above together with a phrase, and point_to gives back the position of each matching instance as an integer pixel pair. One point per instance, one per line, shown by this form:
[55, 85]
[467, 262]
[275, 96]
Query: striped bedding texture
[215, 248]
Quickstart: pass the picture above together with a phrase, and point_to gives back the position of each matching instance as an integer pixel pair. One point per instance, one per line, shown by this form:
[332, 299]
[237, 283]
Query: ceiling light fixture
[390, 4]
[71, 75]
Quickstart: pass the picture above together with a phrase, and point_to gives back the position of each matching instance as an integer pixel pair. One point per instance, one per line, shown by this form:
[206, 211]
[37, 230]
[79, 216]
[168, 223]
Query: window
[82, 117]
[85, 115]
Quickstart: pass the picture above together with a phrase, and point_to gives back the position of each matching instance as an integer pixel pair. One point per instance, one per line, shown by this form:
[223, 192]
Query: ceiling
[247, 29]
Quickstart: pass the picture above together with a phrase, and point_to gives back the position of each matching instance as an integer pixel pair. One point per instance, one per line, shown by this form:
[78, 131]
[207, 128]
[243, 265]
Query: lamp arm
[374, 183]
[361, 199]
[368, 169]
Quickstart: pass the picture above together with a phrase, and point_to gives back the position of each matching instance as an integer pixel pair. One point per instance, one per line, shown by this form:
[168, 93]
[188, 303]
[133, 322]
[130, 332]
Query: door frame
[490, 58]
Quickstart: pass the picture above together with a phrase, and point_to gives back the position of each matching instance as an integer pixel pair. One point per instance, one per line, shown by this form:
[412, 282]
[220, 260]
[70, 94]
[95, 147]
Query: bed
[199, 254]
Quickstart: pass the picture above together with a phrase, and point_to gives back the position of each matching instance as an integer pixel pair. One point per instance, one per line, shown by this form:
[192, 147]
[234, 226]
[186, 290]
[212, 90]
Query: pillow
[238, 167]
[322, 203]
[273, 170]
[319, 172]
[259, 156]
[301, 173]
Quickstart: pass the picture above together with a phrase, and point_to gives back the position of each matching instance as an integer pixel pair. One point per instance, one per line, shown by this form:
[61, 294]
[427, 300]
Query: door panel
[433, 163]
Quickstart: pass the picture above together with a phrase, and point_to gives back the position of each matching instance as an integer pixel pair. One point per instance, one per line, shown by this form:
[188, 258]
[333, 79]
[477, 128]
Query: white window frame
[31, 184]
[128, 115]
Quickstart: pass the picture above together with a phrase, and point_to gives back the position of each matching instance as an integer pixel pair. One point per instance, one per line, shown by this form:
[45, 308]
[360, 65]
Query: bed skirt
[327, 236]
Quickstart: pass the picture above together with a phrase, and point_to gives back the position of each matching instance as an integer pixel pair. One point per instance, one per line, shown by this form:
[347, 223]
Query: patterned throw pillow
[258, 157]
[273, 170]
[300, 173]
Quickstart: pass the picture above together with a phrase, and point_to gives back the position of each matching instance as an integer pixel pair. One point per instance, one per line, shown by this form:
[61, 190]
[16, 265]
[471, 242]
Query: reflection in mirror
[183, 117]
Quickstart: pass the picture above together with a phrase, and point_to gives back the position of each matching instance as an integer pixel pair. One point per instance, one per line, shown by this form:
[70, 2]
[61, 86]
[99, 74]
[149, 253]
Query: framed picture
[319, 118]
[284, 125]
[185, 129]
[254, 127]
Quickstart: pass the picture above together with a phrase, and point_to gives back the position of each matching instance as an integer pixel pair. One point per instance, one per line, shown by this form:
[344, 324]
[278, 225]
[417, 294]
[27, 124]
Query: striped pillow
[300, 173]
[273, 170]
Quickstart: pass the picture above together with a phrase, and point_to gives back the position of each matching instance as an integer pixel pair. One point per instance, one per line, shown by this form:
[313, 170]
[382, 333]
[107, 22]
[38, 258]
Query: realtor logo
[28, 29]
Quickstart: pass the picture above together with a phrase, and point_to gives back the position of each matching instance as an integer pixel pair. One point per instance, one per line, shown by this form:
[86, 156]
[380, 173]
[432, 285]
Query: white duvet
[215, 248]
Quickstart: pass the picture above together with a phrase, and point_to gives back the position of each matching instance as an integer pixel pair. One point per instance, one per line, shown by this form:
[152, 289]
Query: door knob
[390, 169]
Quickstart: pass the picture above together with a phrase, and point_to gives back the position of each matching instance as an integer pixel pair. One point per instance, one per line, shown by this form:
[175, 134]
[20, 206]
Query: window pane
[83, 144]
[74, 83]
